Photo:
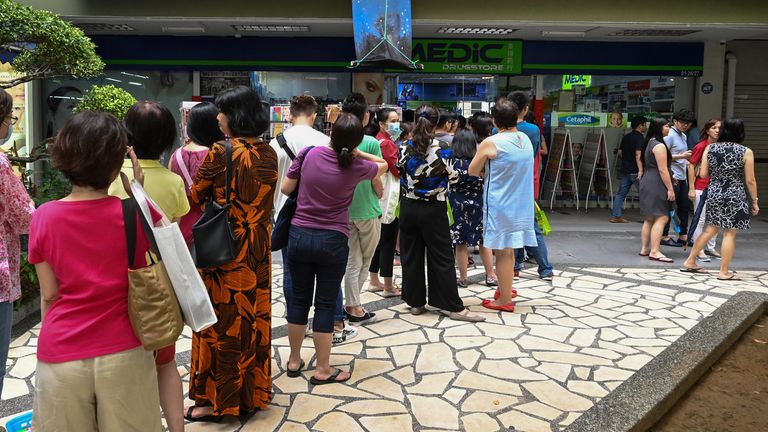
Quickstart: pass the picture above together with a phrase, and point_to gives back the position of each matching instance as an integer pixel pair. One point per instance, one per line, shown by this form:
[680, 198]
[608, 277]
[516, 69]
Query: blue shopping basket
[22, 423]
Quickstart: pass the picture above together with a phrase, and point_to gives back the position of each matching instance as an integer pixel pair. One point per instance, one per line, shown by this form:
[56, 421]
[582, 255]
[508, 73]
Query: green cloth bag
[542, 221]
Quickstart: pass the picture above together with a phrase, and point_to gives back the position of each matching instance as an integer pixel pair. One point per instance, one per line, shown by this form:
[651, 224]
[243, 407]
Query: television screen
[383, 32]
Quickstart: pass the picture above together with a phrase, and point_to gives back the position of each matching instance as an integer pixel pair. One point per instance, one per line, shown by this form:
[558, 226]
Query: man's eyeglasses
[13, 121]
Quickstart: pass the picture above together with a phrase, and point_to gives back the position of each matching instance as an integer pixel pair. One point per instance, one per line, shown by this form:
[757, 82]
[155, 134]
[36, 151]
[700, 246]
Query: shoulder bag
[215, 243]
[282, 226]
[152, 305]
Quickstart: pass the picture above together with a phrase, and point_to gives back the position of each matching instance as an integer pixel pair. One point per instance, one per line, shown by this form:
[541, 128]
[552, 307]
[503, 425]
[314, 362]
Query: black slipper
[330, 380]
[693, 270]
[206, 418]
[294, 373]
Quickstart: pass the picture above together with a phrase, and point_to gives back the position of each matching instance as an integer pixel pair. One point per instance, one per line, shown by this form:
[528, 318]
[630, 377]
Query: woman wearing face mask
[388, 123]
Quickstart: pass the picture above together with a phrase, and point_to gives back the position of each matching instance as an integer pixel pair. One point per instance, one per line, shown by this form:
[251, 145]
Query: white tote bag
[190, 290]
[390, 199]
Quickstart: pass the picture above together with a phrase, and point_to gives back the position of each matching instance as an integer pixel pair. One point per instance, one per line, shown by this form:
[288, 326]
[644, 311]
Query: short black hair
[463, 145]
[445, 117]
[303, 105]
[520, 98]
[732, 130]
[151, 129]
[6, 104]
[482, 125]
[637, 121]
[90, 149]
[684, 115]
[505, 113]
[356, 105]
[202, 125]
[246, 115]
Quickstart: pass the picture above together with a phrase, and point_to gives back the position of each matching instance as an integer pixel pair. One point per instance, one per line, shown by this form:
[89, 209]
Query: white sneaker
[346, 334]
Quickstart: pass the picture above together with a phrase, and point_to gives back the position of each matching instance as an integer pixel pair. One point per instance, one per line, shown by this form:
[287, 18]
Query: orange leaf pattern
[231, 361]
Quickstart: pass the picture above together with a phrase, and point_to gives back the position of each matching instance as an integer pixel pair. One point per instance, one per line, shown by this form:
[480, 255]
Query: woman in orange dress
[231, 361]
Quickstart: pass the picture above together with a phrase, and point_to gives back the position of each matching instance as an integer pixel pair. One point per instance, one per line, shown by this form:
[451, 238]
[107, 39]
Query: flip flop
[497, 294]
[206, 418]
[488, 304]
[644, 255]
[294, 373]
[373, 288]
[396, 293]
[661, 259]
[732, 277]
[693, 270]
[464, 316]
[331, 379]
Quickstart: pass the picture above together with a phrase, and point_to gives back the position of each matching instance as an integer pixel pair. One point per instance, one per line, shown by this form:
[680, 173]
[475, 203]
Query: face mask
[7, 135]
[394, 129]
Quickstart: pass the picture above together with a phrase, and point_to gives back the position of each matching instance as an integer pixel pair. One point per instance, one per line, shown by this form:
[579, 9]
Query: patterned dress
[231, 361]
[728, 205]
[466, 198]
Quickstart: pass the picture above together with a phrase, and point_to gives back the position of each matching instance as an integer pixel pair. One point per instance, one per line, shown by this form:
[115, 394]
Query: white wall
[711, 105]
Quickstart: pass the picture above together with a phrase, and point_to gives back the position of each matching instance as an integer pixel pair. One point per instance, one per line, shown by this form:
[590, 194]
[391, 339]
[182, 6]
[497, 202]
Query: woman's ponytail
[346, 135]
[423, 131]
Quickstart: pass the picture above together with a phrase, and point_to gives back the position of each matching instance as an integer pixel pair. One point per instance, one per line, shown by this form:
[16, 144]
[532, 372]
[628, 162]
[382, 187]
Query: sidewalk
[570, 343]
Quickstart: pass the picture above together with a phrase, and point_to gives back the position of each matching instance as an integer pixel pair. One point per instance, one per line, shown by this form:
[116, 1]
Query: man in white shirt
[300, 135]
[678, 146]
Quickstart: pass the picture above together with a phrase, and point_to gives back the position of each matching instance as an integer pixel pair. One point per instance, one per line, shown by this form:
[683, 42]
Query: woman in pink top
[15, 212]
[203, 131]
[92, 372]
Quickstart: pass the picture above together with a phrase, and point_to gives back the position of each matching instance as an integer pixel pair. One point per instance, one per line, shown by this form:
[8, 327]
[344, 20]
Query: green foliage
[52, 186]
[47, 46]
[108, 98]
[27, 270]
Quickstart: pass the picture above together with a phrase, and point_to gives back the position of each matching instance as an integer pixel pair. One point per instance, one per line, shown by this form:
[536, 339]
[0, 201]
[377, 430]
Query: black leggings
[384, 257]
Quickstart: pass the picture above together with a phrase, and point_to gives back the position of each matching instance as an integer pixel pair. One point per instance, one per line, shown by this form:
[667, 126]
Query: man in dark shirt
[631, 167]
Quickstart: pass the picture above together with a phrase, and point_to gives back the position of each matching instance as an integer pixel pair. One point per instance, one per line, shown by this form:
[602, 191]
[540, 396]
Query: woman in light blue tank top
[506, 162]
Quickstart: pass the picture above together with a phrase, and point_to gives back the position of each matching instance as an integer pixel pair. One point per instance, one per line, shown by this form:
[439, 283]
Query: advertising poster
[370, 85]
[17, 143]
[579, 119]
[383, 32]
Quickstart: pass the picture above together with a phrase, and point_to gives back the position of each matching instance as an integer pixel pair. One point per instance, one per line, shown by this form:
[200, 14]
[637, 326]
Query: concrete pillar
[711, 105]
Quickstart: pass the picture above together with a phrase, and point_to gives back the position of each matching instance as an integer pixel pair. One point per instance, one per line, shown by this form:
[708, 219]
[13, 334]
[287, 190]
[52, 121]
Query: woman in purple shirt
[317, 246]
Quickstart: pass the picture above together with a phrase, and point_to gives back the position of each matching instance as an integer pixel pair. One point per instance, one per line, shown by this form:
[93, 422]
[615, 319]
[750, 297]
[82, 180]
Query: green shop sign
[571, 80]
[469, 56]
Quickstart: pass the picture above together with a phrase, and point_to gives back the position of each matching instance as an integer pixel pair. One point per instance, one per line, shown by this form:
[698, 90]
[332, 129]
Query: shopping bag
[191, 292]
[541, 220]
[390, 200]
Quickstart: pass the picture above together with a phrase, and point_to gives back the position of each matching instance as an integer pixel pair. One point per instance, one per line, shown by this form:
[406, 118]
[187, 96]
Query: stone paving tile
[570, 343]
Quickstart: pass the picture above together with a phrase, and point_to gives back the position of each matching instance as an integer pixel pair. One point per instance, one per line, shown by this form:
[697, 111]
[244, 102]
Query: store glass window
[61, 95]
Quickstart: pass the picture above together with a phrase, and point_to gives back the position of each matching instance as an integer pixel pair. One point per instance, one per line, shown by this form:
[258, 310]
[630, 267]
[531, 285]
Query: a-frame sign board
[594, 170]
[560, 174]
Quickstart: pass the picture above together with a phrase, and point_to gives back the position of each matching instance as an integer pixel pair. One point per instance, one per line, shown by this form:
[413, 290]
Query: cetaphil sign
[469, 56]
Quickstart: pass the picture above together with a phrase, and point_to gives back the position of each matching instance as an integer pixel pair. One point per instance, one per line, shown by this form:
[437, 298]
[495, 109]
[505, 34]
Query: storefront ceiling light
[653, 32]
[476, 30]
[104, 27]
[270, 28]
[578, 34]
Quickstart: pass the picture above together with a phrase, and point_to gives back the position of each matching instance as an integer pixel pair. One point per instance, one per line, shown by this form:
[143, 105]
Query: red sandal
[497, 294]
[488, 304]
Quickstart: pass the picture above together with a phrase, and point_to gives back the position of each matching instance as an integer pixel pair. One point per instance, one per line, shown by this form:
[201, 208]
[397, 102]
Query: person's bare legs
[172, 396]
[462, 261]
[323, 368]
[699, 245]
[727, 248]
[505, 265]
[375, 282]
[487, 256]
[657, 230]
[645, 236]
[296, 334]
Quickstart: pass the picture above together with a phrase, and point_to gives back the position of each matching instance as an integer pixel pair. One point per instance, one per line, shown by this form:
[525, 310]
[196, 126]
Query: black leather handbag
[282, 228]
[215, 243]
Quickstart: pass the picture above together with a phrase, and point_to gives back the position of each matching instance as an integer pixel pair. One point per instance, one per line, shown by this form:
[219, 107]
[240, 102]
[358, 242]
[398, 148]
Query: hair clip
[345, 150]
[424, 114]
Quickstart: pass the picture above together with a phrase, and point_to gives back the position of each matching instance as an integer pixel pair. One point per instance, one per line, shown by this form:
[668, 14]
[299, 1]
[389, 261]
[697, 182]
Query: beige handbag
[152, 305]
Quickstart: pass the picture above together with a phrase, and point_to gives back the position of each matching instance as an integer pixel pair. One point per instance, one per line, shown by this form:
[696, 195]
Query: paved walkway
[570, 343]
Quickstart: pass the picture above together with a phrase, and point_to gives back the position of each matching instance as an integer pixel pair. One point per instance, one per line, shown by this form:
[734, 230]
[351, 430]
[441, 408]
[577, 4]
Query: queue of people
[462, 184]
